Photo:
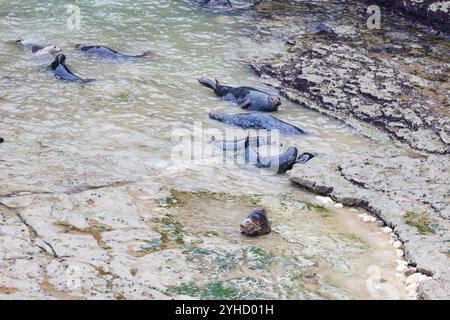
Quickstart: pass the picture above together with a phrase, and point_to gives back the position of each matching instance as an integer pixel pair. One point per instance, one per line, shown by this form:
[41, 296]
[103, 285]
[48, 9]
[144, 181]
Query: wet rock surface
[428, 11]
[138, 240]
[362, 82]
[392, 81]
[410, 195]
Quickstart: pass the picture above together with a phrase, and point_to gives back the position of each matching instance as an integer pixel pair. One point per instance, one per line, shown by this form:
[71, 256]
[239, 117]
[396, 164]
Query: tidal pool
[89, 178]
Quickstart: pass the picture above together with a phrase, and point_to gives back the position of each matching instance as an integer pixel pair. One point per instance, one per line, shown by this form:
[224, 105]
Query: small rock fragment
[401, 268]
[397, 244]
[387, 230]
[399, 253]
[324, 200]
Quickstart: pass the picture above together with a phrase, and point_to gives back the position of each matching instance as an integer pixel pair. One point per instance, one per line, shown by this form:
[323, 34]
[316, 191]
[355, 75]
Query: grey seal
[107, 53]
[256, 224]
[255, 120]
[61, 71]
[38, 49]
[244, 97]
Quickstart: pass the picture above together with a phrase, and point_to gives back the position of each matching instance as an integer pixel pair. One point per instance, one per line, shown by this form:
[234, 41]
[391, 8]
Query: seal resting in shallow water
[107, 53]
[255, 120]
[38, 49]
[256, 224]
[241, 144]
[245, 97]
[61, 71]
[281, 163]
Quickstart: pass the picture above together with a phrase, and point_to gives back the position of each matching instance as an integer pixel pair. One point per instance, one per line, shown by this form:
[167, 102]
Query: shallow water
[123, 123]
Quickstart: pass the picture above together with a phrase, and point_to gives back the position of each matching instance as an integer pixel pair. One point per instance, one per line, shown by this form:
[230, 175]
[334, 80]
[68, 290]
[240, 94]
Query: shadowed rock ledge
[433, 12]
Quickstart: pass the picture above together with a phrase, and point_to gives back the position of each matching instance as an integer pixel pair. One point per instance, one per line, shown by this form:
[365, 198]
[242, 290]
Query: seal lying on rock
[245, 97]
[255, 120]
[62, 72]
[2, 140]
[256, 224]
[107, 53]
[37, 49]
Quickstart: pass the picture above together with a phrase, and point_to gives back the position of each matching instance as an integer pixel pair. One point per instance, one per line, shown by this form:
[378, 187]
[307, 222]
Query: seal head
[256, 224]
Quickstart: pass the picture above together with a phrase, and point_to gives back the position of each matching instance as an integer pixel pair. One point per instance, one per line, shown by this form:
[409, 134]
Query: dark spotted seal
[38, 49]
[107, 53]
[245, 97]
[256, 224]
[61, 71]
[255, 120]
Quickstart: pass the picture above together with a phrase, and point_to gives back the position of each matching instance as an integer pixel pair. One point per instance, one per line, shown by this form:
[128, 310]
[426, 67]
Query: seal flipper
[245, 104]
[143, 54]
[304, 158]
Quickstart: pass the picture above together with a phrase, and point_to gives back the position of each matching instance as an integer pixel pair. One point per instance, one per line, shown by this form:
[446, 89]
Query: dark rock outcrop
[435, 13]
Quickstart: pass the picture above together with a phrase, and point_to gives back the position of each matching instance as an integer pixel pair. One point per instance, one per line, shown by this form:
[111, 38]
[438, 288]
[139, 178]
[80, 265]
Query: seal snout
[54, 49]
[275, 101]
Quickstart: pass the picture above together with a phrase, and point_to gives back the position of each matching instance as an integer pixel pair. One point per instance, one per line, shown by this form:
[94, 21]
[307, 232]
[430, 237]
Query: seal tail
[143, 54]
[86, 80]
[209, 83]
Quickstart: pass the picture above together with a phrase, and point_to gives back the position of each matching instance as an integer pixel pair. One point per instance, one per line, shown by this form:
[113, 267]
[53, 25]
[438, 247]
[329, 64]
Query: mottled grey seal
[61, 71]
[256, 224]
[255, 120]
[281, 163]
[107, 53]
[245, 97]
[38, 49]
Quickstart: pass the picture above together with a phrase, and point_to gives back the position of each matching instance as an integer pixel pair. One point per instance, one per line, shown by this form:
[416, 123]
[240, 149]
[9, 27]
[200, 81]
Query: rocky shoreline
[390, 82]
[435, 13]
